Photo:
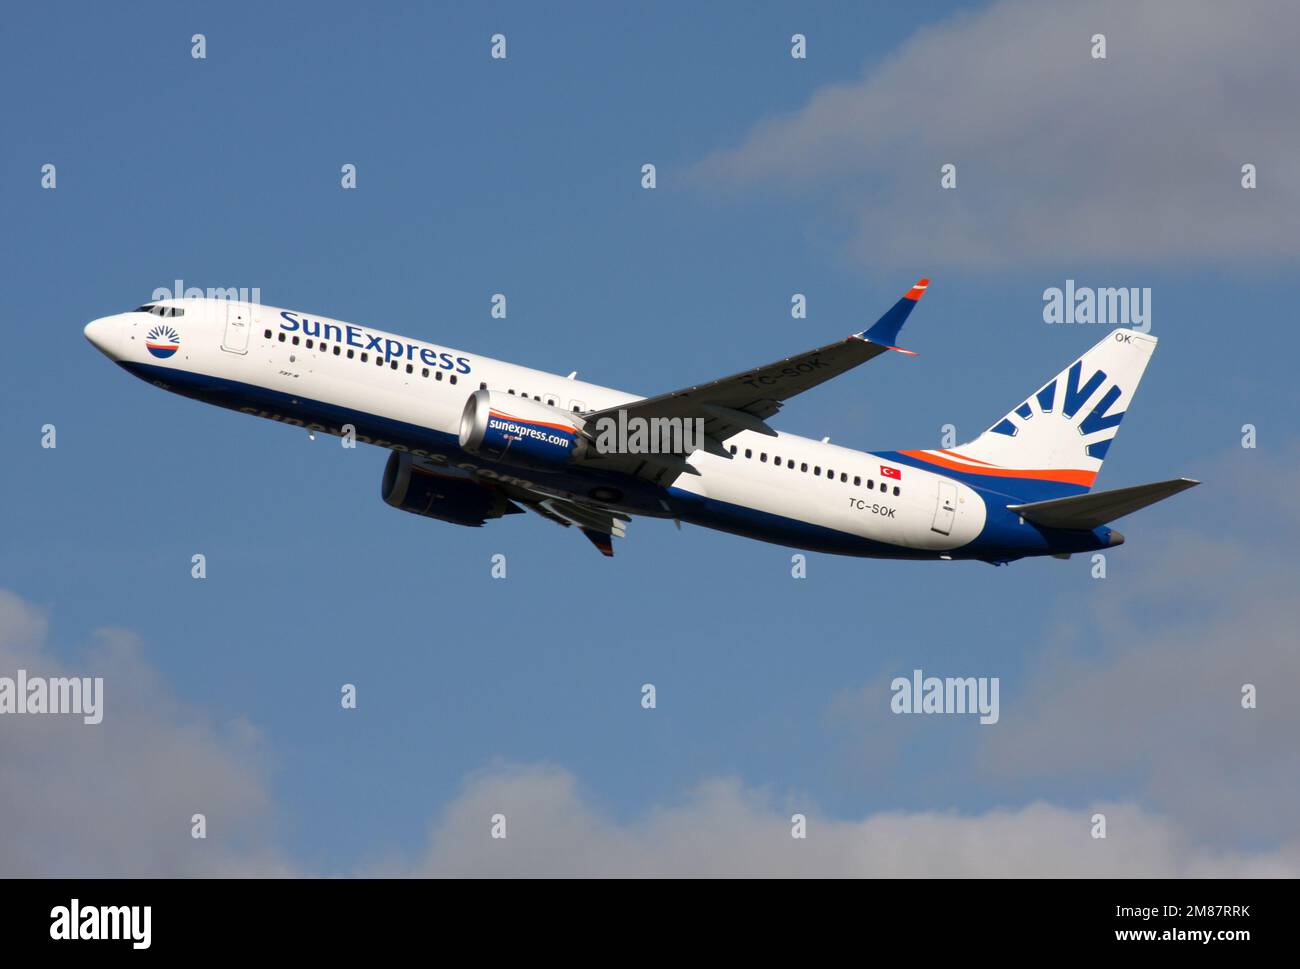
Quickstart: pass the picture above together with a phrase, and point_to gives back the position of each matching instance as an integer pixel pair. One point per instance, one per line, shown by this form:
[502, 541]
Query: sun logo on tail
[1067, 394]
[162, 341]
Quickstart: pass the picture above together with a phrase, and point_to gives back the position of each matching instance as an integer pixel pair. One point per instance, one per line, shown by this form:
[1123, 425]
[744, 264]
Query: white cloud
[724, 829]
[1059, 156]
[115, 799]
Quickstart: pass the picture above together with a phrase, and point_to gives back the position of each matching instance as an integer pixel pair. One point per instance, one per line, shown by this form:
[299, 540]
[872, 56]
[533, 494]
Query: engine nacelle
[518, 430]
[423, 488]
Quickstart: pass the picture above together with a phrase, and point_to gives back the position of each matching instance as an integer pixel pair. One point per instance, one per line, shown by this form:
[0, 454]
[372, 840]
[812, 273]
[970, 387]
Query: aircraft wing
[745, 400]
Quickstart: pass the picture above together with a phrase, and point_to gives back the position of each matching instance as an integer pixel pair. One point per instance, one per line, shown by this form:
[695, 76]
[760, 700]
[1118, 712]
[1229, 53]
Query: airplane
[472, 439]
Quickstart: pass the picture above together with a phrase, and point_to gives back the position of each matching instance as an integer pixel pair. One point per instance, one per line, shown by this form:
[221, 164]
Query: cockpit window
[157, 310]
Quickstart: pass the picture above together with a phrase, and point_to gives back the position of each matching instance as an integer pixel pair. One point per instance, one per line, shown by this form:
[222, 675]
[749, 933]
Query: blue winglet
[885, 330]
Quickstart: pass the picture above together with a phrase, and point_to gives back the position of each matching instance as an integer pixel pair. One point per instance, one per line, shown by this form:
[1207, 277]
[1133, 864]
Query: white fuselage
[256, 359]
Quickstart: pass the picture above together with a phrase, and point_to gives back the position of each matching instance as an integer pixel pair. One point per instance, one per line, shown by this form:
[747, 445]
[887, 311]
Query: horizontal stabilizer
[1096, 508]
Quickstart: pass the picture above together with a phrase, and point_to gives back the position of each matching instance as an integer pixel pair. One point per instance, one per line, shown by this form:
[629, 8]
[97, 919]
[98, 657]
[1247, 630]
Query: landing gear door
[946, 510]
[239, 324]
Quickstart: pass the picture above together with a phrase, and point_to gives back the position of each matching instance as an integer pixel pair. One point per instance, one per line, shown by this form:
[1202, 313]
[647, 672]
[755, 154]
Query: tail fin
[1053, 443]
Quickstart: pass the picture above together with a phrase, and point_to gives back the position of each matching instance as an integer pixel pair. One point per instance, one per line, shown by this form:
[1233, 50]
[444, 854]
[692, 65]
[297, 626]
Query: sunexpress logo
[1073, 397]
[362, 339]
[162, 341]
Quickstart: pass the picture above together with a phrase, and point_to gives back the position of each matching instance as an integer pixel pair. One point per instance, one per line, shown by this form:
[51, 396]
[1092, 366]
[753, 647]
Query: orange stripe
[917, 291]
[1063, 475]
[566, 428]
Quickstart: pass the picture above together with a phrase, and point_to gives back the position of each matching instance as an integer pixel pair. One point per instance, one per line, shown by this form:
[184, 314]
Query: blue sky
[522, 177]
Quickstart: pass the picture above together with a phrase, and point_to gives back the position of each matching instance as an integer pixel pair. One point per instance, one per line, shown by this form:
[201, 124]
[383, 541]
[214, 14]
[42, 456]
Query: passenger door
[946, 509]
[239, 325]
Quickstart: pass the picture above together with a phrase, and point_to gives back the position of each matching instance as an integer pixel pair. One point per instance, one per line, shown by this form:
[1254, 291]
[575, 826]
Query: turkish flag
[891, 473]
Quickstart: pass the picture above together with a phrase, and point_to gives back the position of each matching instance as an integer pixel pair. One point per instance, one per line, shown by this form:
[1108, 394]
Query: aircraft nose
[102, 334]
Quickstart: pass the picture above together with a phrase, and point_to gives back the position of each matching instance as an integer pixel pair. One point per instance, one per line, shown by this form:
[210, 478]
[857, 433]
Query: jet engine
[426, 489]
[518, 430]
